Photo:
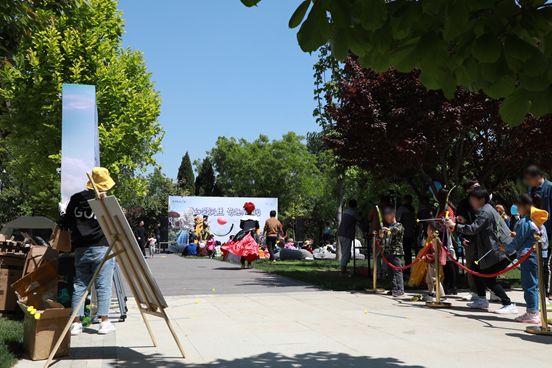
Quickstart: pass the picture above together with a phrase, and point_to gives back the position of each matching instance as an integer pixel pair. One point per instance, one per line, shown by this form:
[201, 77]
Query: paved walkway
[307, 328]
[198, 276]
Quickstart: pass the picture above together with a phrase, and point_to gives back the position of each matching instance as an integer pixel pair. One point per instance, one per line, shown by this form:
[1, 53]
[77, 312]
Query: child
[392, 235]
[211, 243]
[152, 244]
[524, 240]
[429, 258]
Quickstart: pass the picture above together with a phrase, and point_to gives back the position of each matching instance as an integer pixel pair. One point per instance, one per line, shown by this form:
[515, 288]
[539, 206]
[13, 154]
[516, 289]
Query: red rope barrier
[490, 275]
[397, 268]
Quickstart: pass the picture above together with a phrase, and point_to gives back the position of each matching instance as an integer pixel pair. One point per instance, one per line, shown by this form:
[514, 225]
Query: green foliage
[156, 202]
[205, 184]
[11, 342]
[75, 42]
[503, 47]
[185, 178]
[263, 168]
[153, 206]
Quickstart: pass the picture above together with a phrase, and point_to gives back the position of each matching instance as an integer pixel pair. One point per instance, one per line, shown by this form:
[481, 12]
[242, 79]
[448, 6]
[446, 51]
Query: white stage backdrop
[224, 213]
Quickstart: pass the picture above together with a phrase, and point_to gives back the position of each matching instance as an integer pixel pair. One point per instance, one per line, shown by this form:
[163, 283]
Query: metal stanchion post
[437, 303]
[375, 289]
[543, 329]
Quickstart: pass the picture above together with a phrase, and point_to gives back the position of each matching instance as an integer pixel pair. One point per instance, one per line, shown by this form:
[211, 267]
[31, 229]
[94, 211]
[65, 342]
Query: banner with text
[80, 150]
[223, 214]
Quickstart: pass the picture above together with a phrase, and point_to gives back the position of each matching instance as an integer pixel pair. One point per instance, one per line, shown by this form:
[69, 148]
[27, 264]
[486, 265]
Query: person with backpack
[488, 232]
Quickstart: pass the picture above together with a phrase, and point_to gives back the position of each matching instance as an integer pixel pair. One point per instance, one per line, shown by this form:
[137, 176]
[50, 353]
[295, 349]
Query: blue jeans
[529, 282]
[87, 260]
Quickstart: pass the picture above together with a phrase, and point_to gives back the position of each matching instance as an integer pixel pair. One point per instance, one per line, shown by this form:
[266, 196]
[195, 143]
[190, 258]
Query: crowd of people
[478, 232]
[483, 234]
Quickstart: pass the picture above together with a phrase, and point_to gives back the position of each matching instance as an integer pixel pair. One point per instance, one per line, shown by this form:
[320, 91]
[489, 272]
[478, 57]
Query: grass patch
[325, 274]
[11, 341]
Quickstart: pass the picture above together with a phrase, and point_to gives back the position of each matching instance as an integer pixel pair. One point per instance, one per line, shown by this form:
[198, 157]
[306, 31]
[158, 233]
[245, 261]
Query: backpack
[502, 231]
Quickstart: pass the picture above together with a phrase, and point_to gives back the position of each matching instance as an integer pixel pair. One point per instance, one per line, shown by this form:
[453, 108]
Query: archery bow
[446, 208]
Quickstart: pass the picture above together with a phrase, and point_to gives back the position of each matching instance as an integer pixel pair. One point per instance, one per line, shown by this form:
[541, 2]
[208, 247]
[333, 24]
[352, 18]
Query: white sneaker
[479, 303]
[507, 309]
[106, 327]
[76, 328]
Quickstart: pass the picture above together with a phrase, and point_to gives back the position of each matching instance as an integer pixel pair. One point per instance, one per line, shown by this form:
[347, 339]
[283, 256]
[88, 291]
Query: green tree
[156, 203]
[205, 184]
[280, 168]
[75, 42]
[503, 47]
[185, 178]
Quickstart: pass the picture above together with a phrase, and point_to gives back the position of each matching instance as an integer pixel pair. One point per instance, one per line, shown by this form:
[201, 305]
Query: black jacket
[140, 234]
[81, 221]
[486, 232]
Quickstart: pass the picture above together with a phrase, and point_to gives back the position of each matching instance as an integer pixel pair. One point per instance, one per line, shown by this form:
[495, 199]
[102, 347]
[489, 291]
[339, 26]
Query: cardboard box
[38, 286]
[11, 270]
[61, 240]
[40, 335]
[37, 255]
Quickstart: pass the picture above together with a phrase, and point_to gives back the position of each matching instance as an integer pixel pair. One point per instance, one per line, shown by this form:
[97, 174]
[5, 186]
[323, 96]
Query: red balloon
[222, 220]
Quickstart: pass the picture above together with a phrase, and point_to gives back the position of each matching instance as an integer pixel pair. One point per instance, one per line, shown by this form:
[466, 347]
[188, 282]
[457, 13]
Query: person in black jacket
[485, 233]
[90, 246]
[466, 215]
[140, 234]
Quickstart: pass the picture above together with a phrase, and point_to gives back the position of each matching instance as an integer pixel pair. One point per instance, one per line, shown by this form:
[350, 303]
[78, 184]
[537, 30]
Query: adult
[466, 215]
[346, 233]
[539, 186]
[406, 216]
[249, 223]
[157, 233]
[273, 230]
[90, 246]
[140, 234]
[484, 232]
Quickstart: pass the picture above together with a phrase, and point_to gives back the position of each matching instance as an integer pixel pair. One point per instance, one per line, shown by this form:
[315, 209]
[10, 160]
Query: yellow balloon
[37, 316]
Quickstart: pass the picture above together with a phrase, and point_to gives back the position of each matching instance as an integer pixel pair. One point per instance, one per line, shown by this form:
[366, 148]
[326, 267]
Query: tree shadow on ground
[127, 358]
[547, 340]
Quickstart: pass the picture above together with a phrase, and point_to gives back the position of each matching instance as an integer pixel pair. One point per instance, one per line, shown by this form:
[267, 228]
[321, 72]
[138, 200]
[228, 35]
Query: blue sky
[222, 70]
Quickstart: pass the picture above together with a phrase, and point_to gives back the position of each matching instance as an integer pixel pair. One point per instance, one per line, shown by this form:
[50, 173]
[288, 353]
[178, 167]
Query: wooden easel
[124, 247]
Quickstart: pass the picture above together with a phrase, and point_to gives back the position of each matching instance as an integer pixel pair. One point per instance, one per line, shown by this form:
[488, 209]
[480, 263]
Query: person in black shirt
[140, 234]
[466, 215]
[90, 246]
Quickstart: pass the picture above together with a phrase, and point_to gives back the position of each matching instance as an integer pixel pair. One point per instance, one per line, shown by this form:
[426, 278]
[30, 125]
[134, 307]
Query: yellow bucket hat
[102, 179]
[539, 217]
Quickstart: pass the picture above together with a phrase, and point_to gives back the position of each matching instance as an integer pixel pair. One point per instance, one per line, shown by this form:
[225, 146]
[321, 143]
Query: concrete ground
[294, 325]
